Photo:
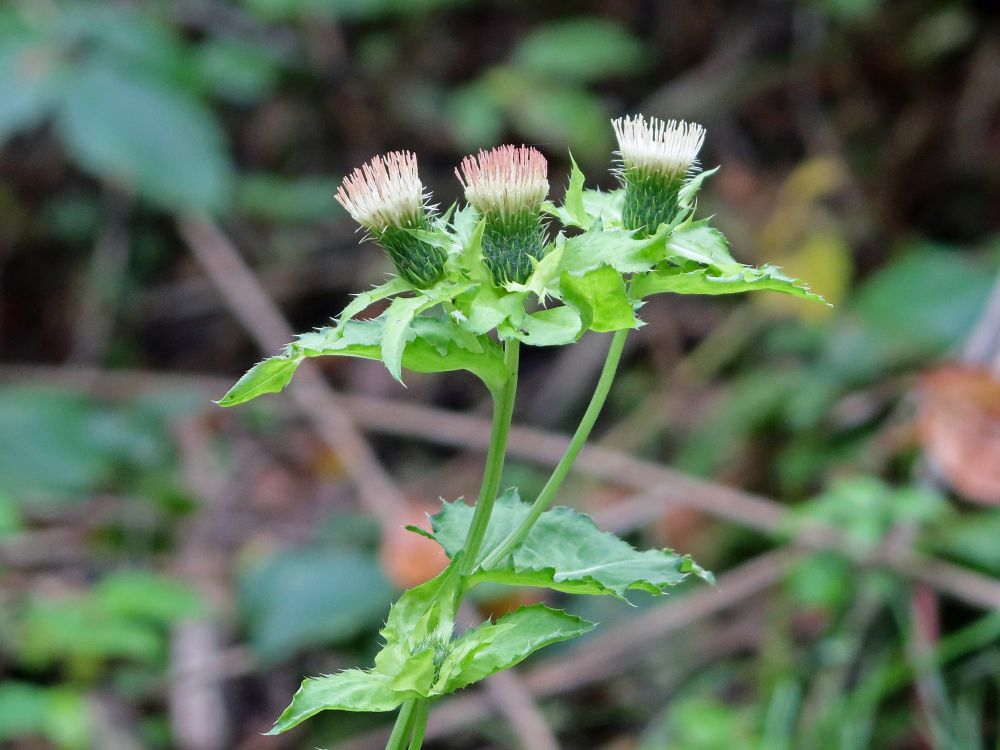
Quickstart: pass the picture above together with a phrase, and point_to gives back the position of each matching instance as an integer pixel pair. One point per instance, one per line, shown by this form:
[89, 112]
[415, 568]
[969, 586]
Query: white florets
[506, 179]
[669, 148]
[384, 192]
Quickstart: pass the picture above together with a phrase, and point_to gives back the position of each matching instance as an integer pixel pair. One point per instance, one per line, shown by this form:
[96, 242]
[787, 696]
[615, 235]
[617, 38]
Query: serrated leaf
[703, 244]
[494, 647]
[487, 307]
[269, 376]
[564, 551]
[471, 257]
[361, 338]
[364, 300]
[601, 299]
[553, 327]
[689, 191]
[572, 212]
[350, 690]
[702, 281]
[616, 248]
[419, 624]
[398, 318]
[604, 208]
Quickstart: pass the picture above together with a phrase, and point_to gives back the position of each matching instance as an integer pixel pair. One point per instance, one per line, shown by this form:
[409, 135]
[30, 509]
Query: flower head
[667, 148]
[657, 157]
[384, 192]
[505, 180]
[507, 185]
[386, 197]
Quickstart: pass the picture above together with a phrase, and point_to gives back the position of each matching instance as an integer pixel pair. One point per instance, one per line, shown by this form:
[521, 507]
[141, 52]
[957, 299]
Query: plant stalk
[402, 729]
[503, 411]
[572, 451]
[419, 725]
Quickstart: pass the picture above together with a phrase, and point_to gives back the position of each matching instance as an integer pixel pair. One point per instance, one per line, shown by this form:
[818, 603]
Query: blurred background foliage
[168, 572]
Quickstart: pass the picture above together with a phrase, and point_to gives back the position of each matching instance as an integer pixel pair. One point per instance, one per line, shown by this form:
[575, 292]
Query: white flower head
[384, 192]
[506, 179]
[656, 147]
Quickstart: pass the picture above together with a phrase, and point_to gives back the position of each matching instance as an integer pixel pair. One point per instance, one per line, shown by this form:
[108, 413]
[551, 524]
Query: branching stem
[503, 411]
[403, 727]
[572, 451]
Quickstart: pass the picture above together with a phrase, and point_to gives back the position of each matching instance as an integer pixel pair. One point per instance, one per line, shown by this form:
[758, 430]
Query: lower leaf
[564, 551]
[494, 647]
[351, 690]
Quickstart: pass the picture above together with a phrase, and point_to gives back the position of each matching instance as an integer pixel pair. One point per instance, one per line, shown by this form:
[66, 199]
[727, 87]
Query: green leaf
[616, 248]
[143, 595]
[580, 49]
[361, 338]
[572, 212]
[494, 647]
[350, 690]
[398, 318]
[486, 307]
[59, 714]
[703, 281]
[600, 298]
[564, 551]
[364, 300]
[426, 611]
[275, 198]
[689, 191]
[552, 327]
[269, 376]
[418, 629]
[604, 208]
[703, 244]
[312, 597]
[236, 70]
[30, 77]
[140, 132]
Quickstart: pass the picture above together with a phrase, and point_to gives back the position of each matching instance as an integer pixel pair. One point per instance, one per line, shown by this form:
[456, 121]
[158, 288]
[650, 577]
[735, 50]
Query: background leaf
[145, 135]
[296, 600]
[586, 48]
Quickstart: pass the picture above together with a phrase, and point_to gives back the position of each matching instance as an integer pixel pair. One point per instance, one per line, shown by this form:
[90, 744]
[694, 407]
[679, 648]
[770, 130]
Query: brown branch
[315, 399]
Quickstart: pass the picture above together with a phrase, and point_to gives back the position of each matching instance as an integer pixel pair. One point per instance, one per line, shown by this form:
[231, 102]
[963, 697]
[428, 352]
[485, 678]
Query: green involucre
[509, 244]
[650, 199]
[418, 262]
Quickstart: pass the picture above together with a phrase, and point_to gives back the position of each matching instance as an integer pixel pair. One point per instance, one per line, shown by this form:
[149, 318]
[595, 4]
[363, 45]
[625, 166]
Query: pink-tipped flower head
[386, 197]
[505, 180]
[657, 158]
[507, 185]
[384, 192]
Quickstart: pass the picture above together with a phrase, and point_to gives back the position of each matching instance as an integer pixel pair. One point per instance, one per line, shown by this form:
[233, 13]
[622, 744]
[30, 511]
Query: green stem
[401, 730]
[419, 725]
[566, 462]
[503, 411]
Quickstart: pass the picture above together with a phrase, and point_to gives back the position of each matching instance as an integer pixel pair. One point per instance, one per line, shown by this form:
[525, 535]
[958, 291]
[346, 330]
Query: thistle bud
[657, 157]
[507, 185]
[385, 196]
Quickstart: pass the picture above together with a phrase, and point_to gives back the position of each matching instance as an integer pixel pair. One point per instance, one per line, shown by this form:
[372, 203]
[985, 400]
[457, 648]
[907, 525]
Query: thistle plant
[657, 158]
[385, 196]
[473, 286]
[507, 185]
